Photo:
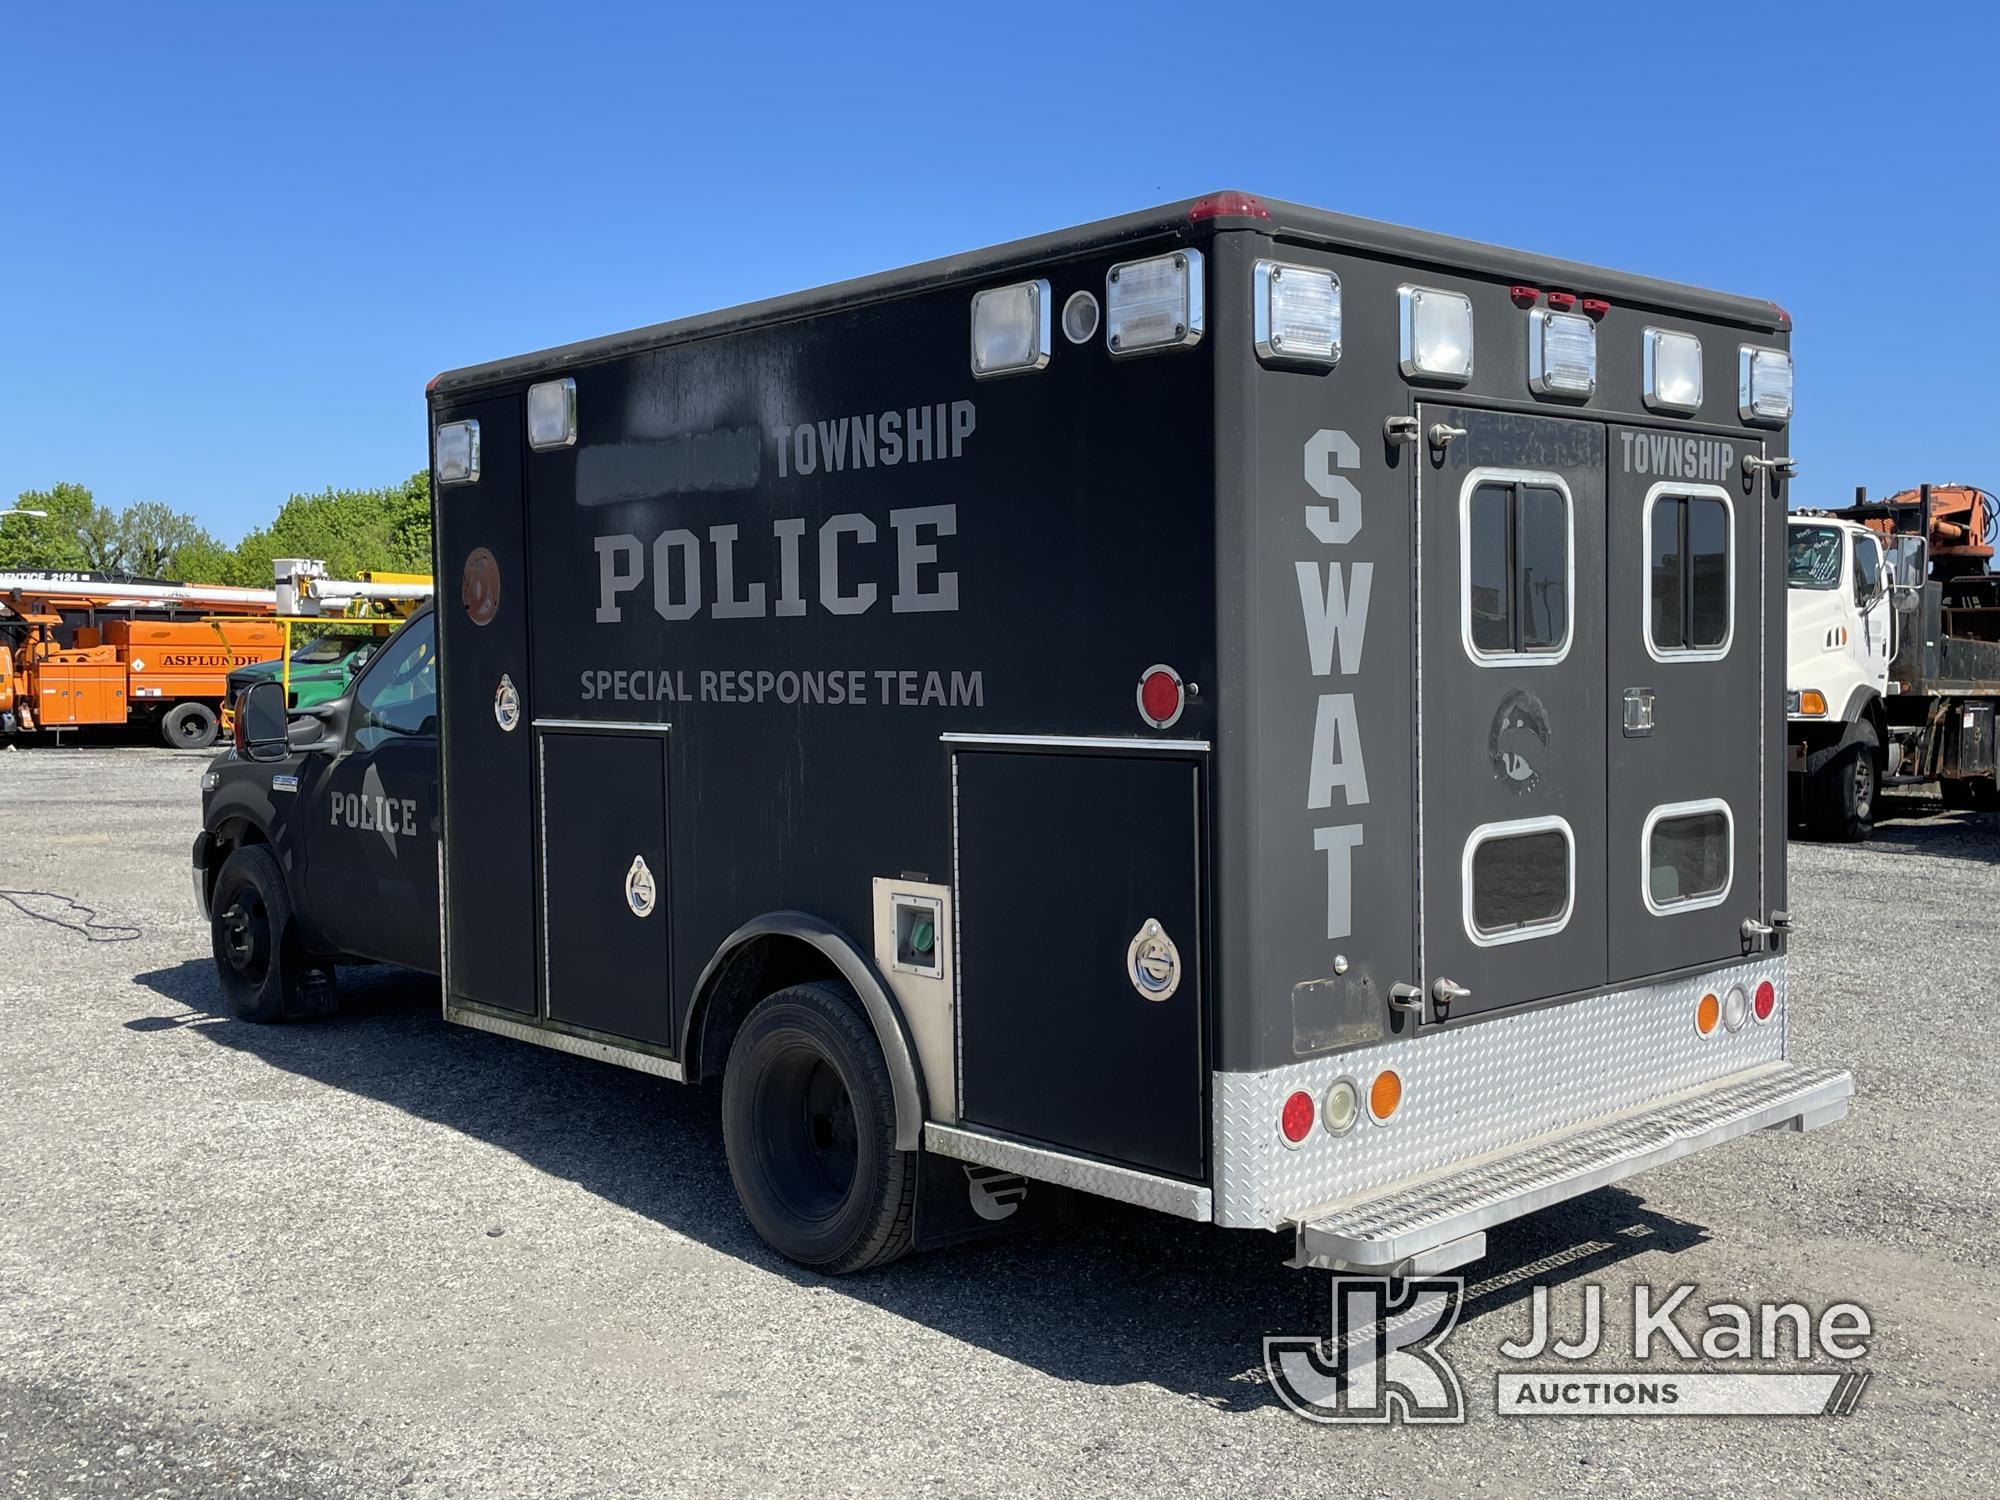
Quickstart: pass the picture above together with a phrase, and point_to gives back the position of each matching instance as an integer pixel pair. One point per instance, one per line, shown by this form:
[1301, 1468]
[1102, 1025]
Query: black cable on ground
[93, 930]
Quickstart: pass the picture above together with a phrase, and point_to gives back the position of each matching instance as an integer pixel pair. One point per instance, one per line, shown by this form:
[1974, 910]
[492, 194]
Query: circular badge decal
[640, 892]
[479, 587]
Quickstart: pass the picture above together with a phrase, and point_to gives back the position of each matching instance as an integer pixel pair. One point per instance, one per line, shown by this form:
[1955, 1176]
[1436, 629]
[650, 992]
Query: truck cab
[323, 668]
[1840, 640]
[328, 850]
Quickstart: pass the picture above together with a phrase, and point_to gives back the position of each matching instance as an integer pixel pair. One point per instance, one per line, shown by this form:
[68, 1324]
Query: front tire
[264, 970]
[1842, 795]
[188, 726]
[809, 1126]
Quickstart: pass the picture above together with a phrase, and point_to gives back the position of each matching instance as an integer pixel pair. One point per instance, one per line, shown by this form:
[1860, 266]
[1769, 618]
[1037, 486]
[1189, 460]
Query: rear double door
[1590, 696]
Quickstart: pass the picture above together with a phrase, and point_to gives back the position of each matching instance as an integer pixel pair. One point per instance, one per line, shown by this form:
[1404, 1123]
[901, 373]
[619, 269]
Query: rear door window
[1690, 577]
[1520, 880]
[1689, 848]
[1517, 535]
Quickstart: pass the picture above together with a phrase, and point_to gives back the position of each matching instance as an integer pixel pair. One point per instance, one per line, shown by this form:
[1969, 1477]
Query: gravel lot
[381, 1256]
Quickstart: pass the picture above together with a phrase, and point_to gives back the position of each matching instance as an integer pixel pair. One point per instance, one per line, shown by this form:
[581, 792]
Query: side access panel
[607, 919]
[488, 769]
[1063, 859]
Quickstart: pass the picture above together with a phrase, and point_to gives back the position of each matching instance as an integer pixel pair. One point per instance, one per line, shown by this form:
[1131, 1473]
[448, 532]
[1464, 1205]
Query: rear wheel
[265, 972]
[188, 726]
[809, 1125]
[1841, 795]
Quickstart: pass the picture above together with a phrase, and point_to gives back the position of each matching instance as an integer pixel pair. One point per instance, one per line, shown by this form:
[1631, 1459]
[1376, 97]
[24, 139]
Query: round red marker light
[1766, 1001]
[1295, 1121]
[1161, 696]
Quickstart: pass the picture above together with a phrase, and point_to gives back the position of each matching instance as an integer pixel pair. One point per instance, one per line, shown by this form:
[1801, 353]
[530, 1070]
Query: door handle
[1407, 997]
[1757, 934]
[1444, 991]
[1443, 435]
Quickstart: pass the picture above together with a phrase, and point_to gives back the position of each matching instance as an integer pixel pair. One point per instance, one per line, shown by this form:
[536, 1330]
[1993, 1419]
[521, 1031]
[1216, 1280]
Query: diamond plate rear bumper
[1428, 1217]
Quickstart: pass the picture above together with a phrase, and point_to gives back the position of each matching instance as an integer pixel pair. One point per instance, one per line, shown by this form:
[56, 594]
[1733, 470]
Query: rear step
[1440, 1221]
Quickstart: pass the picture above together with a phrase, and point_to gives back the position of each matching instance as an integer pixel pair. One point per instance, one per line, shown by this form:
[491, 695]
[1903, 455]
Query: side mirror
[261, 722]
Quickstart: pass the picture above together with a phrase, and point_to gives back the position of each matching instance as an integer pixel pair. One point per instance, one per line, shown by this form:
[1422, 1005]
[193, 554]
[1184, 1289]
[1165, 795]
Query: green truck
[322, 669]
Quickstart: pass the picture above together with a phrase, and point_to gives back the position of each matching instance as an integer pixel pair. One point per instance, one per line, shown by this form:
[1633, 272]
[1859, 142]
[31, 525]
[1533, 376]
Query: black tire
[809, 1126]
[265, 972]
[189, 726]
[1842, 795]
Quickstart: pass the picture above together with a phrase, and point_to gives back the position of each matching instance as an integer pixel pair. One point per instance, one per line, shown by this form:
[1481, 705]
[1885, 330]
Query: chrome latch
[1756, 934]
[1443, 436]
[1444, 992]
[1406, 997]
[1781, 468]
[1397, 430]
[1638, 712]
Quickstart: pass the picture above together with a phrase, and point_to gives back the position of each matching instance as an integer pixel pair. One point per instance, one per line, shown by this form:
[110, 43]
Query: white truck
[1893, 660]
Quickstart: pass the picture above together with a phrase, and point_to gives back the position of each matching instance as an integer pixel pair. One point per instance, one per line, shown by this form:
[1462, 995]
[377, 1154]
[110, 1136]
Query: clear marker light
[1295, 313]
[1153, 304]
[1562, 353]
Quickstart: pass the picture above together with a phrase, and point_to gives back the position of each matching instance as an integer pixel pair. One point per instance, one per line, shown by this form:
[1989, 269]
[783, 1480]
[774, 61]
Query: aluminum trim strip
[1076, 742]
[1186, 1200]
[610, 726]
[1382, 1229]
[563, 1041]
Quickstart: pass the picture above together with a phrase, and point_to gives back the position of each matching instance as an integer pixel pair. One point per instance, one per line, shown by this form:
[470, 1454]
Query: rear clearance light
[1708, 1014]
[1765, 1004]
[1162, 696]
[1295, 1120]
[1672, 370]
[458, 453]
[1763, 385]
[1341, 1107]
[1735, 1008]
[1385, 1095]
[1562, 301]
[1436, 342]
[1154, 303]
[552, 414]
[1010, 329]
[1295, 314]
[1226, 206]
[1595, 308]
[1525, 296]
[1562, 352]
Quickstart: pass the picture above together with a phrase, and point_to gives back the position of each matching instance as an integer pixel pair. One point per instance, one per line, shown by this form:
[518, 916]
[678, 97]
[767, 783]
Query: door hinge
[1406, 997]
[1401, 430]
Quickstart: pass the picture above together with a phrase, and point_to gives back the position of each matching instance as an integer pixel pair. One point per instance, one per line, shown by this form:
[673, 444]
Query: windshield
[327, 648]
[1812, 557]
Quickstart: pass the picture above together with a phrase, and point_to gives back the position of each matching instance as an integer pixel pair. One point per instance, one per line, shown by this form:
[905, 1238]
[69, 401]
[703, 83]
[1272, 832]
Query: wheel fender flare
[859, 972]
[1859, 732]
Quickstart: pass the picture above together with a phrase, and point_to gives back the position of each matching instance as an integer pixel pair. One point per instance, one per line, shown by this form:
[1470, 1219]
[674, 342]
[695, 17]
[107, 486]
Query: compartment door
[489, 778]
[1686, 571]
[1063, 861]
[1511, 708]
[604, 879]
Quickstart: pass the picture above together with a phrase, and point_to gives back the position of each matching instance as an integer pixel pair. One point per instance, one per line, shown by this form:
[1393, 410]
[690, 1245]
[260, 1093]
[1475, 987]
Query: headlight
[1763, 384]
[1437, 334]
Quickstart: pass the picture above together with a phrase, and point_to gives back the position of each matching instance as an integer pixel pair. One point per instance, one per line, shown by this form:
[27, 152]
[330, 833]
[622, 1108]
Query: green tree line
[350, 530]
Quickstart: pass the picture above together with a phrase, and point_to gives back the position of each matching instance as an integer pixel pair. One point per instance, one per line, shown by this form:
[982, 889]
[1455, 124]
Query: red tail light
[1295, 1120]
[1161, 696]
[1766, 1001]
[236, 731]
[1226, 205]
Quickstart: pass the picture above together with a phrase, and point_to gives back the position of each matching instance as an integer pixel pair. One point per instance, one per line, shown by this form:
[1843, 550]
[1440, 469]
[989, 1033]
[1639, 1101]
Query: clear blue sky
[235, 241]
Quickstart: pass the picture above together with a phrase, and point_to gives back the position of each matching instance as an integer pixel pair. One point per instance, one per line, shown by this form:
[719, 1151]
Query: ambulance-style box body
[1238, 709]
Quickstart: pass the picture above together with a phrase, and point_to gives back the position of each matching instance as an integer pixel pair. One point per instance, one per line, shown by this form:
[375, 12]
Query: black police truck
[1238, 709]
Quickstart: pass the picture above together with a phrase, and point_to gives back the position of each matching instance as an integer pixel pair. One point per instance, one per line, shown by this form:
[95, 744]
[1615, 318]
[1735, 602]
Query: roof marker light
[1595, 307]
[1226, 206]
[1525, 296]
[1562, 301]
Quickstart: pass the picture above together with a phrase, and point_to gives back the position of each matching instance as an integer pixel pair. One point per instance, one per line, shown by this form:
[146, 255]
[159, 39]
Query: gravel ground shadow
[1118, 1295]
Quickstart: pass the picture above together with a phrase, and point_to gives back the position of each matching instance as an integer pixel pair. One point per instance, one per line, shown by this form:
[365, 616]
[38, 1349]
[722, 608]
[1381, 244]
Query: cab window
[1812, 557]
[397, 696]
[1867, 570]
